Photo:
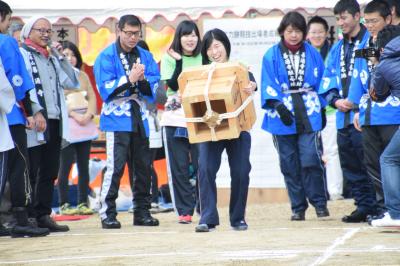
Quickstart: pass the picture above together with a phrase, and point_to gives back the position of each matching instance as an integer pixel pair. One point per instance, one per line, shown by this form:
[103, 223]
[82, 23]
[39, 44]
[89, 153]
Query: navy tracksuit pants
[238, 151]
[303, 170]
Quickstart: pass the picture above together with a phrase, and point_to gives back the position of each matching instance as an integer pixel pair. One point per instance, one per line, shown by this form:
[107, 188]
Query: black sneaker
[355, 217]
[241, 226]
[145, 219]
[4, 231]
[298, 216]
[110, 223]
[322, 212]
[45, 221]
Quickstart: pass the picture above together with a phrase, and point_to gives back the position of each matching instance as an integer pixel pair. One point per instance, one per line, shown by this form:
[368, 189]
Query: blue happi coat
[275, 81]
[110, 75]
[18, 76]
[332, 76]
[372, 113]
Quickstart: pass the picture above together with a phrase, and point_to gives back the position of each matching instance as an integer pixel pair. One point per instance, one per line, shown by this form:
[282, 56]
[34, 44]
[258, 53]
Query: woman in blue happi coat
[291, 73]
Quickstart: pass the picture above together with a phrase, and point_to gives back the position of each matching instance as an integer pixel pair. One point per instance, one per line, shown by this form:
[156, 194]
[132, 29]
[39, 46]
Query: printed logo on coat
[326, 83]
[271, 91]
[363, 77]
[17, 80]
[109, 84]
[316, 72]
[355, 73]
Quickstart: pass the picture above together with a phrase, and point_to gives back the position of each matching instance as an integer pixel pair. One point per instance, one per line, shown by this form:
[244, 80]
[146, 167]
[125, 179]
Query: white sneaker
[386, 221]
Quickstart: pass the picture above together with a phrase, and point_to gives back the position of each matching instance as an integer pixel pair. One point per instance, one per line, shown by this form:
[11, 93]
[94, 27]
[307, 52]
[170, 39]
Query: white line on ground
[331, 249]
[111, 233]
[175, 232]
[101, 257]
[225, 255]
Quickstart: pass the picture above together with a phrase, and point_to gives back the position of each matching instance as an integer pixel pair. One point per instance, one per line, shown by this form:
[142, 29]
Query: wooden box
[225, 94]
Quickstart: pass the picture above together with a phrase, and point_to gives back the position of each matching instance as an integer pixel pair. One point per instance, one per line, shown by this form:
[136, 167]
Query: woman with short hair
[290, 77]
[217, 48]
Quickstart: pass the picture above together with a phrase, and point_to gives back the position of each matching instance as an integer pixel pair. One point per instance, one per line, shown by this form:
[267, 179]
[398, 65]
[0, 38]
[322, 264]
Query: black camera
[367, 53]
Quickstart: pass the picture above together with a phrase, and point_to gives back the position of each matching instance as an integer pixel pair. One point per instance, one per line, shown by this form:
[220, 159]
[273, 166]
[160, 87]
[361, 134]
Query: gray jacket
[68, 78]
[386, 78]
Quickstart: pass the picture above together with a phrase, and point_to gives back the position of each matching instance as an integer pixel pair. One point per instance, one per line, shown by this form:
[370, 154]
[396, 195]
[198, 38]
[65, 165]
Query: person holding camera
[385, 83]
[335, 87]
[377, 122]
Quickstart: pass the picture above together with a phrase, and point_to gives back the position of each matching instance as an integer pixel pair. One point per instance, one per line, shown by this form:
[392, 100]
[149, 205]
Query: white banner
[250, 39]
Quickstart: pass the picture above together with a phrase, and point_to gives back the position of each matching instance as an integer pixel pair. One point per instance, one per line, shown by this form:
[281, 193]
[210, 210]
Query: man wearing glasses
[125, 76]
[50, 74]
[378, 122]
[336, 85]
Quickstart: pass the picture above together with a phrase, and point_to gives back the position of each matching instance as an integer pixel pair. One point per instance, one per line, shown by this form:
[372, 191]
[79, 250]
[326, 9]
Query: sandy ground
[271, 240]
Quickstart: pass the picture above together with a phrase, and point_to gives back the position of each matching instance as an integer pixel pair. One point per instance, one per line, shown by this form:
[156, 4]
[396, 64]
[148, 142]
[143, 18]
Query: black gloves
[285, 115]
[323, 117]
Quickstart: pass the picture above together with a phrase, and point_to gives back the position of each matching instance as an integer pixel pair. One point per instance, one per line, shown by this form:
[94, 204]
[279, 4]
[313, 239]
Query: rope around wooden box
[212, 118]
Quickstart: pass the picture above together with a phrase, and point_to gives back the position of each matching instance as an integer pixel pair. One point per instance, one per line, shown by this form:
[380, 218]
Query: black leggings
[80, 151]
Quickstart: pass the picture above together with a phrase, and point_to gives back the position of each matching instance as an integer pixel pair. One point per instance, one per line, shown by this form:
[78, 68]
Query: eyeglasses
[371, 21]
[129, 34]
[44, 31]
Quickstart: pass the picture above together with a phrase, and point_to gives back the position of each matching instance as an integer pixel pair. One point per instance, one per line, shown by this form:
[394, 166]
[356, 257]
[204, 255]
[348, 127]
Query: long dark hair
[186, 27]
[75, 50]
[214, 34]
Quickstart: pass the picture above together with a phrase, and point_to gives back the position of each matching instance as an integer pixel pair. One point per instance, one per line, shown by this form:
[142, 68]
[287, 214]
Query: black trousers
[375, 140]
[121, 147]
[180, 153]
[80, 151]
[153, 175]
[18, 173]
[44, 164]
[3, 173]
[351, 156]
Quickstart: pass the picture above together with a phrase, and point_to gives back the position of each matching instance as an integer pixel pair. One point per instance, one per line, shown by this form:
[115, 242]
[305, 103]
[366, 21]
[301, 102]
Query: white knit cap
[26, 29]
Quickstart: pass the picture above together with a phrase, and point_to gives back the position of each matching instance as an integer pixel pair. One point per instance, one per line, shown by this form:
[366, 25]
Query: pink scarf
[38, 48]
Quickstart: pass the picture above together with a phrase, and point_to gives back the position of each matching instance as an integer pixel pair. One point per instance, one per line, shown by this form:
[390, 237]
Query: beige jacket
[84, 97]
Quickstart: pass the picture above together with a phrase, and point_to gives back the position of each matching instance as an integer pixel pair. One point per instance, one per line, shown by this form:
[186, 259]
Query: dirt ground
[271, 240]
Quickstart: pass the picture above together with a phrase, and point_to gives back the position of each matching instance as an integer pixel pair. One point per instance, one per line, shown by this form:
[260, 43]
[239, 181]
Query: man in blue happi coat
[377, 121]
[335, 87]
[126, 75]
